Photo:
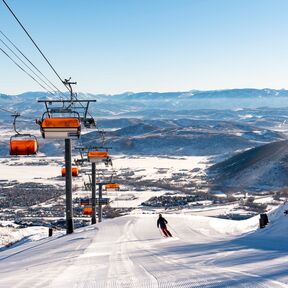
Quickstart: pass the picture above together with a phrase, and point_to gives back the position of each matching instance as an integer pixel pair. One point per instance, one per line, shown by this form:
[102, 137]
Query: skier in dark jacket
[162, 223]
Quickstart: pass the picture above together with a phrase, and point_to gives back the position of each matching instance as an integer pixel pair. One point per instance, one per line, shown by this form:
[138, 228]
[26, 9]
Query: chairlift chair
[68, 126]
[98, 156]
[22, 144]
[112, 186]
[60, 127]
[75, 171]
[87, 210]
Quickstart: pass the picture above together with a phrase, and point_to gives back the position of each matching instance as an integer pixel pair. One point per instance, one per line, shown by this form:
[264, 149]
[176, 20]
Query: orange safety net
[98, 154]
[61, 123]
[87, 210]
[112, 186]
[74, 171]
[23, 147]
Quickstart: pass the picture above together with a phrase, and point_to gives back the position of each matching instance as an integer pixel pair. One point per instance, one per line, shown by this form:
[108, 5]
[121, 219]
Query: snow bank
[11, 235]
[278, 224]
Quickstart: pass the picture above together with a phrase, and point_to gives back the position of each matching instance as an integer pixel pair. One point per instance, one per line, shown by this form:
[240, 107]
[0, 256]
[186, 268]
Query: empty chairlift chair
[75, 171]
[60, 127]
[112, 186]
[22, 144]
[87, 210]
[97, 156]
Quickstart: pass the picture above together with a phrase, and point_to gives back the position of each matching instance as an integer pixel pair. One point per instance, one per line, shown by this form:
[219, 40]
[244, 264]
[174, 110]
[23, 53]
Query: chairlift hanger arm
[68, 84]
[14, 122]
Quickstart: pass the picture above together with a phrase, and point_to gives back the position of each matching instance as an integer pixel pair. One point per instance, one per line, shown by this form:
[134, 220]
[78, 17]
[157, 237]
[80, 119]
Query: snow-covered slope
[130, 252]
[10, 235]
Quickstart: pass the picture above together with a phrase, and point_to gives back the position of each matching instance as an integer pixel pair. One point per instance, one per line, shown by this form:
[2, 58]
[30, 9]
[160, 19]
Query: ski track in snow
[130, 252]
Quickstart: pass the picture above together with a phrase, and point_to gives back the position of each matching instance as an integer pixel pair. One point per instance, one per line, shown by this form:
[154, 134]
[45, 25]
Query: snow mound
[12, 235]
[278, 224]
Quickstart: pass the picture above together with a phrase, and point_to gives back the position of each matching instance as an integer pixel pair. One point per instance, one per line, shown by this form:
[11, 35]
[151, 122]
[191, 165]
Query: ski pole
[172, 229]
[161, 233]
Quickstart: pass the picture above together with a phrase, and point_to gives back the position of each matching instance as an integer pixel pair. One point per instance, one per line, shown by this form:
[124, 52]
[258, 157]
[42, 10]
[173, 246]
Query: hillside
[204, 252]
[263, 167]
[184, 137]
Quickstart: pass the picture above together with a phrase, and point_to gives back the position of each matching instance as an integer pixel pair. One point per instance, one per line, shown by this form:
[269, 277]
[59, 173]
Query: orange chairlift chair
[22, 144]
[75, 171]
[97, 156]
[60, 127]
[112, 186]
[63, 117]
[87, 210]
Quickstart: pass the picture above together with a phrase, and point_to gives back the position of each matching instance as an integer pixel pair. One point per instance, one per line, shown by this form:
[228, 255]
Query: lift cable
[14, 113]
[31, 70]
[9, 40]
[26, 71]
[34, 43]
[16, 18]
[8, 111]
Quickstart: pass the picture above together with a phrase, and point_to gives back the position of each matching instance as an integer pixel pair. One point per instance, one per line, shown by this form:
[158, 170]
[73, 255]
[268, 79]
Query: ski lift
[22, 144]
[98, 156]
[87, 210]
[112, 186]
[60, 127]
[70, 115]
[75, 171]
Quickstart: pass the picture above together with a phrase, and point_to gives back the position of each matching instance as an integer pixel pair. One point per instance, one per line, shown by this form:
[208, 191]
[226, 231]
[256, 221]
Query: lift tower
[64, 122]
[95, 155]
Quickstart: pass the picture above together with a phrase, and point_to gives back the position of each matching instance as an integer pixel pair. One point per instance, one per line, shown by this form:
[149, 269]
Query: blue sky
[113, 46]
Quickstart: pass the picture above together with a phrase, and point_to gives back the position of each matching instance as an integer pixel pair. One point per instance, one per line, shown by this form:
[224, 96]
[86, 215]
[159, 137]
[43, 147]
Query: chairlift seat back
[74, 171]
[87, 210]
[97, 156]
[114, 186]
[23, 146]
[61, 127]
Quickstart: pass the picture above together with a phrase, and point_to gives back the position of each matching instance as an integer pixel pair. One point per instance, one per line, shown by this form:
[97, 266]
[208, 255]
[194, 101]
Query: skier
[162, 222]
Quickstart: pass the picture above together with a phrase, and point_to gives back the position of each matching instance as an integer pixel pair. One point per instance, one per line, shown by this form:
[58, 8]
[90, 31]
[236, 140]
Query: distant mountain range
[220, 123]
[173, 123]
[154, 104]
[228, 93]
[148, 96]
